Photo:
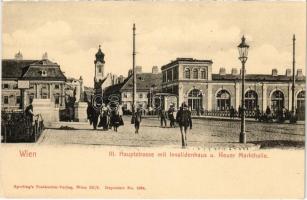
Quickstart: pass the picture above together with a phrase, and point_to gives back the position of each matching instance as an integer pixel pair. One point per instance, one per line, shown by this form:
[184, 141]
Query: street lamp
[243, 52]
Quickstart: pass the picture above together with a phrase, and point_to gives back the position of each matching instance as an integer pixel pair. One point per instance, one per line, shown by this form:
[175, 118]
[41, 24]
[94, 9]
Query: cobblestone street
[205, 133]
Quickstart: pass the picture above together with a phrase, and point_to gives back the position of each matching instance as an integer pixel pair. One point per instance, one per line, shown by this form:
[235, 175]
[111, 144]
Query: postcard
[153, 99]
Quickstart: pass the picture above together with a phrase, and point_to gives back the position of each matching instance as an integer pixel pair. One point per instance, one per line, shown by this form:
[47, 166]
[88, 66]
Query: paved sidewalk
[205, 134]
[224, 118]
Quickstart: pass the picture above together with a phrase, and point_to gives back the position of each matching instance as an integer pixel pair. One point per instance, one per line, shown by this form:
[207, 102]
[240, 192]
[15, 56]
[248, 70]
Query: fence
[17, 127]
[222, 113]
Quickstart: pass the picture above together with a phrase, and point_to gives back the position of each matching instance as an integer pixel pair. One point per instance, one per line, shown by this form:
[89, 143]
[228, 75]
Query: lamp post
[243, 52]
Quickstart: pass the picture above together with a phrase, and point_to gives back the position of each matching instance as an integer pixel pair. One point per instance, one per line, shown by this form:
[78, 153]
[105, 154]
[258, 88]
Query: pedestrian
[137, 120]
[268, 114]
[29, 113]
[114, 119]
[120, 114]
[240, 112]
[94, 117]
[257, 113]
[232, 112]
[162, 115]
[89, 112]
[171, 117]
[104, 118]
[184, 120]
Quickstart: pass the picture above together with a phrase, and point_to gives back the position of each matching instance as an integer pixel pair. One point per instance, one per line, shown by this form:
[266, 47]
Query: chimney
[274, 72]
[155, 70]
[299, 73]
[18, 56]
[234, 71]
[138, 69]
[222, 71]
[45, 56]
[288, 72]
[120, 79]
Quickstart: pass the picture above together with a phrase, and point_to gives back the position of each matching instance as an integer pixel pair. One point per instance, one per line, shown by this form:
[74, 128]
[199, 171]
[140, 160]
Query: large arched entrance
[251, 100]
[223, 100]
[195, 99]
[277, 100]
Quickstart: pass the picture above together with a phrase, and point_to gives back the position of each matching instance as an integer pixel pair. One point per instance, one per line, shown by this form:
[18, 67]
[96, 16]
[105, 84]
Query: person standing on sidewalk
[171, 117]
[162, 115]
[137, 120]
[184, 120]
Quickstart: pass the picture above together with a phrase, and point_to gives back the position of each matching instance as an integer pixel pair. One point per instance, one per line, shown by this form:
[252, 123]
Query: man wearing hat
[184, 120]
[171, 117]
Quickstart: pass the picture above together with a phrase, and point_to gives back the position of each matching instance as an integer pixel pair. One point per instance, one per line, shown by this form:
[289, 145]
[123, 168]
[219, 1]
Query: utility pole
[134, 72]
[293, 76]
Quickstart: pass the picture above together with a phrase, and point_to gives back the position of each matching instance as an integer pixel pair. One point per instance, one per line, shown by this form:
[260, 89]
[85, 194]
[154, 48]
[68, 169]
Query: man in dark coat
[171, 117]
[184, 120]
[137, 120]
[162, 115]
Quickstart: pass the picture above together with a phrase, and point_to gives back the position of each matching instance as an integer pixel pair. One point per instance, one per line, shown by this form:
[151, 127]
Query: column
[37, 90]
[290, 96]
[264, 97]
[237, 95]
[62, 99]
[50, 91]
[210, 98]
[180, 94]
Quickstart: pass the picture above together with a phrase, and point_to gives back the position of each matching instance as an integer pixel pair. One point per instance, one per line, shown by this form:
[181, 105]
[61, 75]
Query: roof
[31, 70]
[15, 68]
[256, 77]
[99, 56]
[185, 60]
[114, 88]
[144, 81]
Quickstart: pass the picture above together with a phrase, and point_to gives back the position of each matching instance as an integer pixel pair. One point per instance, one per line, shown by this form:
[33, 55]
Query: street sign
[23, 84]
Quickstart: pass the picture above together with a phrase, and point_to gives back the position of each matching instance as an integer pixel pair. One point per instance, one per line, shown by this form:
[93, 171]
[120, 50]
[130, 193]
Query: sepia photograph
[144, 90]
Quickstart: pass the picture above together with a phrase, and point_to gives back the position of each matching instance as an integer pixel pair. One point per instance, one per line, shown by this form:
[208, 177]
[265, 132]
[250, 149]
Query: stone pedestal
[81, 111]
[47, 109]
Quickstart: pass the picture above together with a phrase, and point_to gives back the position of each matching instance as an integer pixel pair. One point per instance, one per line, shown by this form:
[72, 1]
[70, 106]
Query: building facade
[146, 84]
[194, 83]
[44, 78]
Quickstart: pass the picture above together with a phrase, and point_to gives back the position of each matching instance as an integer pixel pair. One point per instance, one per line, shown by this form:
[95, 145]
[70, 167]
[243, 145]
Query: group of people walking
[182, 117]
[106, 117]
[169, 114]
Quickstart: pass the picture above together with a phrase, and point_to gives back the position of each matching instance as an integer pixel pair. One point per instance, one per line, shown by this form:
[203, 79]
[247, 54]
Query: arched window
[251, 100]
[223, 100]
[195, 99]
[277, 100]
[187, 73]
[300, 101]
[203, 74]
[195, 73]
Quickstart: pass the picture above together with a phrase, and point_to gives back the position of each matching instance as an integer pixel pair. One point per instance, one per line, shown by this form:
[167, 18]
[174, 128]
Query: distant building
[193, 81]
[46, 81]
[155, 70]
[145, 84]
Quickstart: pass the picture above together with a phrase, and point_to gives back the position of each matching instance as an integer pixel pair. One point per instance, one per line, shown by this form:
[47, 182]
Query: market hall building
[193, 82]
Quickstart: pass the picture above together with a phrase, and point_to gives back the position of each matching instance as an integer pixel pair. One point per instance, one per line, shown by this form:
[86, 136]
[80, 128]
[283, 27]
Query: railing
[222, 113]
[17, 127]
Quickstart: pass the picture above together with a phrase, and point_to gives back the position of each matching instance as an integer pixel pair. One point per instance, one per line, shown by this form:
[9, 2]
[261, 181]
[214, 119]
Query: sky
[70, 32]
